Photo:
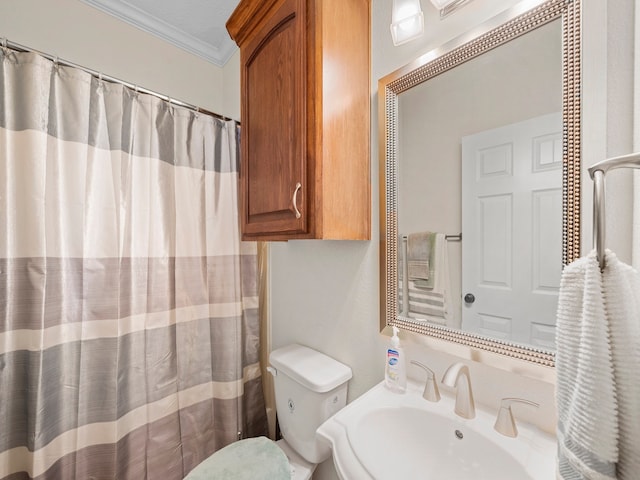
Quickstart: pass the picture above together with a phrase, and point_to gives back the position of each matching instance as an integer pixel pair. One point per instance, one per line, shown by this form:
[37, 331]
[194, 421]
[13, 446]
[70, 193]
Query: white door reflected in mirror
[512, 224]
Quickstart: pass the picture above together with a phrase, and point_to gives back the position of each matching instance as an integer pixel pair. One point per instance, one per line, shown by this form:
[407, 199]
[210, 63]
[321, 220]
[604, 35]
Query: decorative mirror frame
[510, 24]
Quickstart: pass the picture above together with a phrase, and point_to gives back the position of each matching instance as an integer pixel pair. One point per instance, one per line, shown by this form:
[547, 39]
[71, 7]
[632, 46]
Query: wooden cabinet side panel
[346, 119]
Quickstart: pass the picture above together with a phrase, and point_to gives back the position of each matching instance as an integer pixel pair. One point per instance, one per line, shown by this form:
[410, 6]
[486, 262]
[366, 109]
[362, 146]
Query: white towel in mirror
[430, 300]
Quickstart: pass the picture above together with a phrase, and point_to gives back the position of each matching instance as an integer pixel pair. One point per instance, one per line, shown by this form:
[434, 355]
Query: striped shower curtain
[129, 342]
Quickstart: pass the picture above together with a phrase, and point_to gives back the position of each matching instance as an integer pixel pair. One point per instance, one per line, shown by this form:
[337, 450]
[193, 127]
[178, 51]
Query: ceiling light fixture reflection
[407, 21]
[446, 7]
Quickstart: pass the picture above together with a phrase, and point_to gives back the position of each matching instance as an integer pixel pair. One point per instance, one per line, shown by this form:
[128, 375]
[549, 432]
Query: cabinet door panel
[274, 132]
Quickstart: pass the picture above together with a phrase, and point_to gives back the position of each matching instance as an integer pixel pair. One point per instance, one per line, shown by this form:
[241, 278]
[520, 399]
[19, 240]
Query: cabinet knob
[295, 199]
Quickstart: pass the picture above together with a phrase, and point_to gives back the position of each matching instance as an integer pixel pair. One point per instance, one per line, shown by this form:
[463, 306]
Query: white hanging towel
[622, 301]
[597, 338]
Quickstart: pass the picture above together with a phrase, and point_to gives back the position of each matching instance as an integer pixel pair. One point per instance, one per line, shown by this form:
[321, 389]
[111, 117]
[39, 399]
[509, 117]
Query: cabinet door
[274, 187]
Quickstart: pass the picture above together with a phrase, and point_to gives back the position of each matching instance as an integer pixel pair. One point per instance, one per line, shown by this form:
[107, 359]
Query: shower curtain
[129, 337]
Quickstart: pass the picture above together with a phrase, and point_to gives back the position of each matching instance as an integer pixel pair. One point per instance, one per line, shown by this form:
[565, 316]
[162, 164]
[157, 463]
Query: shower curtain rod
[5, 43]
[597, 173]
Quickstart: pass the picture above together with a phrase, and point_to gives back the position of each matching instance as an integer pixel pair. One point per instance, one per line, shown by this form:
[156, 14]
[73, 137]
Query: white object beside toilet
[310, 387]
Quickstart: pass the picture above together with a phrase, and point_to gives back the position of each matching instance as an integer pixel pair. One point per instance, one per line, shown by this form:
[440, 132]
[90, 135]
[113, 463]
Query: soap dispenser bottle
[395, 372]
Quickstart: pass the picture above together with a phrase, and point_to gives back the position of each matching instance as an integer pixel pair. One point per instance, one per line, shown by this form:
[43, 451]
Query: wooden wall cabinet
[305, 141]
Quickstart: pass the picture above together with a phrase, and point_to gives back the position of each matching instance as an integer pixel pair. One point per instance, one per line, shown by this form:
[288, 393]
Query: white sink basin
[383, 435]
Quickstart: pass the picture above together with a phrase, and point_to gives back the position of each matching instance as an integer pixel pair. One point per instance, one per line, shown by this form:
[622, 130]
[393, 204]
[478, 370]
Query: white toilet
[310, 387]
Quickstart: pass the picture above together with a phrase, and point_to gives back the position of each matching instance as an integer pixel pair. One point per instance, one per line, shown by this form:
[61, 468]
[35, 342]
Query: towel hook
[597, 173]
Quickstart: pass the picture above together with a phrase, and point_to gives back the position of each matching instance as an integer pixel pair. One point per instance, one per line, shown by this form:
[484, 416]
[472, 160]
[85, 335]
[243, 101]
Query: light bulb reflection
[407, 21]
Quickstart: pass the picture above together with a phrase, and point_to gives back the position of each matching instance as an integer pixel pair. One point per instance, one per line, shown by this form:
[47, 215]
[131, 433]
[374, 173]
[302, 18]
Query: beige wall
[231, 87]
[86, 36]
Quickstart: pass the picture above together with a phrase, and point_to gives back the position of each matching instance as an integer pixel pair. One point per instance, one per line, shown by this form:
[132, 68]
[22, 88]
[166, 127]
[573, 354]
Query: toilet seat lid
[252, 458]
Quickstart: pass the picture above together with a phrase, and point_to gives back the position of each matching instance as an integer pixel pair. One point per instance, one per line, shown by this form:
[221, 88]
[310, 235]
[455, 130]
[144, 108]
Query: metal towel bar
[449, 238]
[597, 173]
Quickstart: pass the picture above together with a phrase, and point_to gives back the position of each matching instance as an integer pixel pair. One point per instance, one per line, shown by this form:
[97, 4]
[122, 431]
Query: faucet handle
[431, 392]
[505, 423]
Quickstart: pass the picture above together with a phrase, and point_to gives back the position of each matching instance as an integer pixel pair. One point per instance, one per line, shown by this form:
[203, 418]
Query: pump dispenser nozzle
[395, 372]
[395, 341]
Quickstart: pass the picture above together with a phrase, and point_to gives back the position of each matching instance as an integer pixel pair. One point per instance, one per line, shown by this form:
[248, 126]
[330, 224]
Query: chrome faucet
[431, 392]
[505, 424]
[457, 376]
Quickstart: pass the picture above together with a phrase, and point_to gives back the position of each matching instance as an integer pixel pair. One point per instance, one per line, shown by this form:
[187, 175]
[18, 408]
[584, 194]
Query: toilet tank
[310, 387]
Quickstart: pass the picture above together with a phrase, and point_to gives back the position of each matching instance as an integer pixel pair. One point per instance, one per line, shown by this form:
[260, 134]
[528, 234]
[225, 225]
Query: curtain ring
[100, 85]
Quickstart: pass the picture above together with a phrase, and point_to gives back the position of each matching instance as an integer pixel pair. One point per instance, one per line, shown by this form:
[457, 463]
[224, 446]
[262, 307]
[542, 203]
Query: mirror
[480, 161]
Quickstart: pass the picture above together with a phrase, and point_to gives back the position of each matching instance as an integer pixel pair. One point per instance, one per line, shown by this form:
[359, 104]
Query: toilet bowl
[300, 469]
[309, 387]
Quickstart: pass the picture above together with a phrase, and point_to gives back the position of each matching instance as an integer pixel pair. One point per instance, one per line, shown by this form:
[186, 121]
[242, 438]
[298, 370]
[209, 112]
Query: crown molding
[167, 32]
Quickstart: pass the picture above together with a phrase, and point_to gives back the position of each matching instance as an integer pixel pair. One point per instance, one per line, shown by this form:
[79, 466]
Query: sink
[427, 442]
[383, 435]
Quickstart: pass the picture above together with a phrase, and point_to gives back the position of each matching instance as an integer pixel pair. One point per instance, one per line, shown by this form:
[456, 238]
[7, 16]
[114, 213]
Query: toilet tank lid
[312, 369]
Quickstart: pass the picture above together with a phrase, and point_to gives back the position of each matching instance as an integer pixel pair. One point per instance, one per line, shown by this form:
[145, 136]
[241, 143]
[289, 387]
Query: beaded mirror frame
[503, 28]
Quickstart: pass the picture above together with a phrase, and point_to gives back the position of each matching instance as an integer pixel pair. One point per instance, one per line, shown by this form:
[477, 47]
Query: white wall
[86, 36]
[607, 128]
[325, 294]
[636, 145]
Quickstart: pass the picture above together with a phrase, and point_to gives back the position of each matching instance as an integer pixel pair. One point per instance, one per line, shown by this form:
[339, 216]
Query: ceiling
[196, 26]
